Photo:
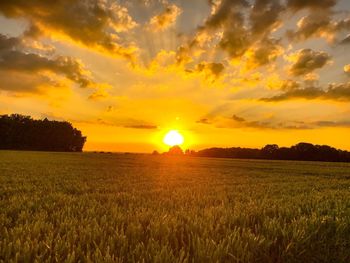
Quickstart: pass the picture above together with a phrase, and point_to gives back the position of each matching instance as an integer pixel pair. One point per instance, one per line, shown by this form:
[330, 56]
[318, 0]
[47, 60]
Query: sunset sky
[223, 73]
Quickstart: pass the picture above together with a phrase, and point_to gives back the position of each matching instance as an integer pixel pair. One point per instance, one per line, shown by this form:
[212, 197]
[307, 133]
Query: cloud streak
[337, 92]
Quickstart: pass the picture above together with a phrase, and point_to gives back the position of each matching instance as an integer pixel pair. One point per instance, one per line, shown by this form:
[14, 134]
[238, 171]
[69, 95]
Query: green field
[86, 207]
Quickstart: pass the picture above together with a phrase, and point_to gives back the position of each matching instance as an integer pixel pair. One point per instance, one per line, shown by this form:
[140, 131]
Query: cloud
[165, 19]
[141, 126]
[264, 53]
[338, 92]
[289, 85]
[211, 69]
[312, 4]
[238, 119]
[242, 122]
[307, 60]
[265, 123]
[23, 71]
[264, 16]
[235, 26]
[21, 82]
[223, 13]
[204, 121]
[222, 30]
[7, 43]
[347, 69]
[273, 123]
[346, 40]
[124, 123]
[305, 93]
[332, 123]
[94, 24]
[318, 24]
[98, 95]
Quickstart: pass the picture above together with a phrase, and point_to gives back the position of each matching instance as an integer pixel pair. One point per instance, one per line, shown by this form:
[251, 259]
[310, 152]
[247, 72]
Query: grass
[72, 207]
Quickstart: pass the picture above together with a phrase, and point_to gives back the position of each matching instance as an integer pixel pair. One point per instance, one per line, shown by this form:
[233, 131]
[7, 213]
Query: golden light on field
[173, 138]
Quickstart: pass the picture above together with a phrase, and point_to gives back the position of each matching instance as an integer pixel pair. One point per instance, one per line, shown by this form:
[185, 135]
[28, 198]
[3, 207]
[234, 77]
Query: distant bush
[175, 151]
[18, 132]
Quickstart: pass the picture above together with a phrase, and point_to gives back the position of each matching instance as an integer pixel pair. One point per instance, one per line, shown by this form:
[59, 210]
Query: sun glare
[173, 138]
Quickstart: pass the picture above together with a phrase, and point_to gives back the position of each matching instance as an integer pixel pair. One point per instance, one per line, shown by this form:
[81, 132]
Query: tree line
[19, 132]
[301, 151]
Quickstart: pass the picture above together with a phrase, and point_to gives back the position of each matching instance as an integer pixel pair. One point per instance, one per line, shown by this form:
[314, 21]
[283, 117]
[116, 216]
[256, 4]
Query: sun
[173, 138]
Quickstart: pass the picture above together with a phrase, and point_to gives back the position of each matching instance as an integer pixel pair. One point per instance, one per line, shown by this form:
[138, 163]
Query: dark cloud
[316, 24]
[338, 92]
[67, 66]
[269, 124]
[21, 82]
[265, 52]
[237, 26]
[346, 40]
[307, 60]
[95, 24]
[17, 66]
[204, 121]
[305, 93]
[225, 13]
[237, 118]
[235, 40]
[212, 69]
[8, 43]
[124, 123]
[313, 4]
[237, 121]
[141, 126]
[332, 123]
[293, 125]
[342, 25]
[289, 84]
[265, 16]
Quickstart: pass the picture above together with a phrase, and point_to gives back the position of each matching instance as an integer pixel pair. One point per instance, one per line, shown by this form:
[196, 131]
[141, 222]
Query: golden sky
[222, 72]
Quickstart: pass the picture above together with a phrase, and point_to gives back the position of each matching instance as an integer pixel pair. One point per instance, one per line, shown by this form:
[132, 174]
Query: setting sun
[173, 138]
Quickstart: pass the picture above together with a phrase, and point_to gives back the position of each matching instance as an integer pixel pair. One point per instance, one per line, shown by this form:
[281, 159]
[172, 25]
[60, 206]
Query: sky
[223, 73]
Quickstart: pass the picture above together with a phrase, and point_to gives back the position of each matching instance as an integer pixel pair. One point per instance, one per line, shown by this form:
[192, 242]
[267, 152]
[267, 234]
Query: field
[87, 207]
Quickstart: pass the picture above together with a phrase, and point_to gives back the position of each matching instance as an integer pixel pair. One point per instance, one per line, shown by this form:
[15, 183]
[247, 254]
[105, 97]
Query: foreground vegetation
[70, 207]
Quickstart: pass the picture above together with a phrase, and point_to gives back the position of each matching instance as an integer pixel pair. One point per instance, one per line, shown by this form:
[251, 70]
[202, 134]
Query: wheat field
[89, 207]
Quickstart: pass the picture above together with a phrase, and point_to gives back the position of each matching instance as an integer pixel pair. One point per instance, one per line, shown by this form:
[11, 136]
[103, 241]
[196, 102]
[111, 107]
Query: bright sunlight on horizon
[173, 138]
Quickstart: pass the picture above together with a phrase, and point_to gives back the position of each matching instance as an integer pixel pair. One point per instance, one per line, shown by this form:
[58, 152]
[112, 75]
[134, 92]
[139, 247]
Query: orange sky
[222, 72]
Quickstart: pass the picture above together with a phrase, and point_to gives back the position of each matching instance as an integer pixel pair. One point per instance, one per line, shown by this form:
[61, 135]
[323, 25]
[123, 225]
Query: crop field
[89, 207]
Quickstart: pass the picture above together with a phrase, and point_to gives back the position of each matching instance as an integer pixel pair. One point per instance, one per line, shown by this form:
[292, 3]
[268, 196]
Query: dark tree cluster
[300, 151]
[18, 132]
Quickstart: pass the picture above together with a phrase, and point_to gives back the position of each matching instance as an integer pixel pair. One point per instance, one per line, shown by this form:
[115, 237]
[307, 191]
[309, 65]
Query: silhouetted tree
[270, 151]
[20, 132]
[155, 152]
[300, 151]
[175, 150]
